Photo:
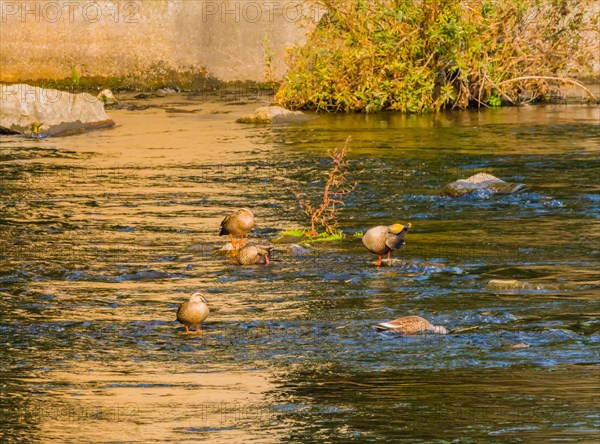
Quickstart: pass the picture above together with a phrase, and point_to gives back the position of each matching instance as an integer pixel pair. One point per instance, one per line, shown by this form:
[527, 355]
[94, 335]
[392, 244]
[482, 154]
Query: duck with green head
[383, 239]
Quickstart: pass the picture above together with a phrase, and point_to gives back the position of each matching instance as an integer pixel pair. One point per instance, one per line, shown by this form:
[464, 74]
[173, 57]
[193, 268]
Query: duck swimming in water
[253, 255]
[382, 240]
[238, 223]
[410, 325]
[193, 312]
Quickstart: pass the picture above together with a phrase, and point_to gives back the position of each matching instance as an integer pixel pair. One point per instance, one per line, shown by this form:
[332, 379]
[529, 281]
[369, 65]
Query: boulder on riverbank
[40, 112]
[273, 114]
[480, 181]
[107, 97]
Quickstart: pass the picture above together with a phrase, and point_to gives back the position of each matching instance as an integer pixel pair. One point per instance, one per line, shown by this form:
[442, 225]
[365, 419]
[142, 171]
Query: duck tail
[439, 329]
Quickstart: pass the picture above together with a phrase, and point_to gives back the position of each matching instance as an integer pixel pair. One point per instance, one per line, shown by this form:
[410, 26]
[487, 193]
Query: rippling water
[102, 235]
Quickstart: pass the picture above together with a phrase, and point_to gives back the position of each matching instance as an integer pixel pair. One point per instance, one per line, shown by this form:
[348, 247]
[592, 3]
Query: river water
[103, 234]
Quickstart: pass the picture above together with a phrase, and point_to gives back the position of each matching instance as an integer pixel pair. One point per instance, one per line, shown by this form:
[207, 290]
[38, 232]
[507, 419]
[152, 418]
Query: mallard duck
[381, 240]
[193, 312]
[253, 254]
[238, 223]
[409, 325]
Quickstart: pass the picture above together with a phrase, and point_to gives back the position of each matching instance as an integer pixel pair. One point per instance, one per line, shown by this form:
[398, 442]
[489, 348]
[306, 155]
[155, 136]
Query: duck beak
[408, 225]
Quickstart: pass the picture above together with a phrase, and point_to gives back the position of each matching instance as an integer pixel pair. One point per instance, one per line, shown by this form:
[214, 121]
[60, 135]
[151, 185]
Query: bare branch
[336, 187]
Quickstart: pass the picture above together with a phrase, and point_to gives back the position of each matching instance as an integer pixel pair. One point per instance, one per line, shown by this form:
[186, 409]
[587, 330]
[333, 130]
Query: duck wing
[224, 224]
[406, 324]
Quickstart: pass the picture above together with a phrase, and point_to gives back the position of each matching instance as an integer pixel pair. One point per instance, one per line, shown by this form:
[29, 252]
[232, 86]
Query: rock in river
[40, 112]
[480, 181]
[506, 284]
[513, 284]
[273, 114]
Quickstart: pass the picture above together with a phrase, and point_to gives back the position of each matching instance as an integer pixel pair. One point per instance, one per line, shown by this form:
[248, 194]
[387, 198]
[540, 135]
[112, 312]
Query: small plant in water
[494, 100]
[337, 187]
[36, 128]
[319, 237]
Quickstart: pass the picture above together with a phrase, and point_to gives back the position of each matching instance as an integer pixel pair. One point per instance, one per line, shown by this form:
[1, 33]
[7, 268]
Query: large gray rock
[273, 114]
[33, 111]
[480, 181]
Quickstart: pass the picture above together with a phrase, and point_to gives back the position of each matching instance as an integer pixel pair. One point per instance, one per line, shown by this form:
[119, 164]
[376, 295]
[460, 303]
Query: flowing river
[103, 235]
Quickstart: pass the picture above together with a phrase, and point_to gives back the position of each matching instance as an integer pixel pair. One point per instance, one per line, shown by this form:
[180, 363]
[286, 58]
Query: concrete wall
[50, 39]
[137, 39]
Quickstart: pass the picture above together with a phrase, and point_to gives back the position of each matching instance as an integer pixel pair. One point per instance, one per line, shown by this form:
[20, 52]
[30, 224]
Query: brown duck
[253, 255]
[193, 312]
[410, 325]
[238, 223]
[382, 240]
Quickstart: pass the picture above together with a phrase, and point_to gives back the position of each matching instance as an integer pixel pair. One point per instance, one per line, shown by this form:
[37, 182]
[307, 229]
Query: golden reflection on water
[137, 401]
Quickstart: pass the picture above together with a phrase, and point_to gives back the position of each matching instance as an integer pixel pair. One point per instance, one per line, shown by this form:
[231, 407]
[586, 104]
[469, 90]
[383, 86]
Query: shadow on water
[103, 235]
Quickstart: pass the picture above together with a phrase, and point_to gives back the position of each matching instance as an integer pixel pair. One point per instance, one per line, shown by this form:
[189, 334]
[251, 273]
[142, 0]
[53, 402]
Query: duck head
[398, 228]
[198, 298]
[265, 252]
[246, 210]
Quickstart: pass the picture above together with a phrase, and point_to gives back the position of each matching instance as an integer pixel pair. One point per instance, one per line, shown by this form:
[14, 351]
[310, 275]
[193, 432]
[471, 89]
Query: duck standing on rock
[193, 312]
[238, 223]
[410, 325]
[253, 255]
[382, 240]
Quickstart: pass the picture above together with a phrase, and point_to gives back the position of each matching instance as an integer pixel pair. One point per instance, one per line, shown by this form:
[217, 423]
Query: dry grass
[336, 187]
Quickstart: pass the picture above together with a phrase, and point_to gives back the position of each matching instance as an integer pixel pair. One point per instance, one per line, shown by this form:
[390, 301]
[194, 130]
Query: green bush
[426, 55]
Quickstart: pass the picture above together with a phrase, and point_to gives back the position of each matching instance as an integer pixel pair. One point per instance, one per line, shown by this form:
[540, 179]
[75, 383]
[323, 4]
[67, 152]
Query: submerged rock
[299, 250]
[40, 112]
[273, 114]
[513, 284]
[506, 284]
[392, 262]
[480, 181]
